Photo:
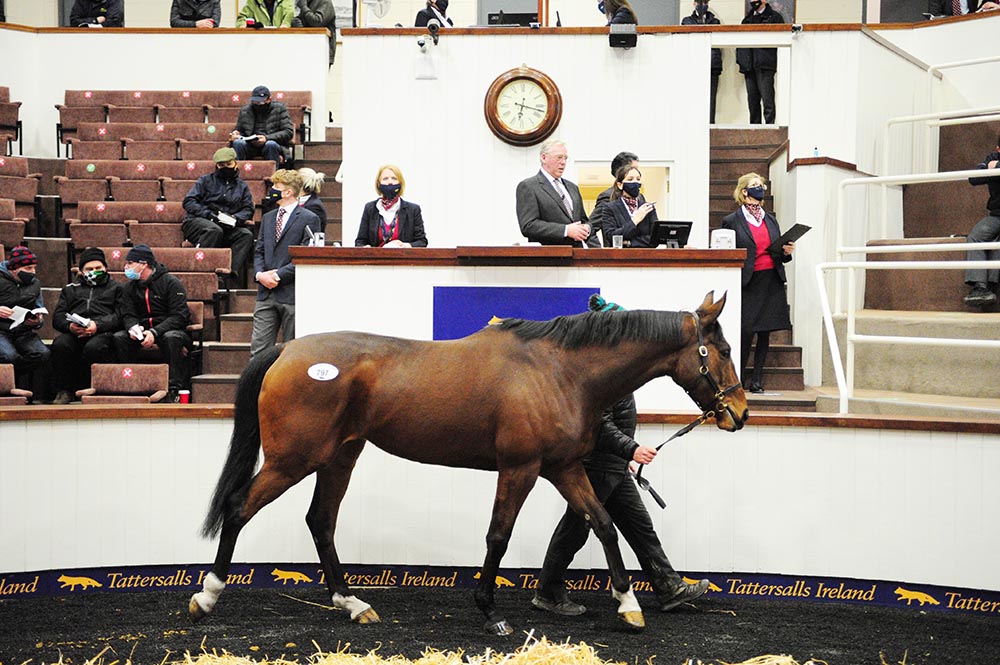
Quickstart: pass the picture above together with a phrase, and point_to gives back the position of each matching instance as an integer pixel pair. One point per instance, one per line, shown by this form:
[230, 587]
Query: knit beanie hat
[141, 253]
[92, 254]
[599, 304]
[20, 257]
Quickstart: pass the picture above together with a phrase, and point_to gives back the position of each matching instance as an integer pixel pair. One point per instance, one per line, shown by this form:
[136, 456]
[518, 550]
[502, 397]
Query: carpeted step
[893, 403]
[236, 328]
[225, 357]
[916, 290]
[780, 355]
[214, 388]
[803, 401]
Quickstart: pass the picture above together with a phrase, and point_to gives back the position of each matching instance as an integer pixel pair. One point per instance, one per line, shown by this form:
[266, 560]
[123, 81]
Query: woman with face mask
[389, 221]
[436, 9]
[628, 214]
[765, 305]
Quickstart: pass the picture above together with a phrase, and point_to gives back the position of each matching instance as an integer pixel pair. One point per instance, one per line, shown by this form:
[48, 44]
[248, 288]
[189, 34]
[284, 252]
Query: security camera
[796, 27]
[433, 26]
[422, 43]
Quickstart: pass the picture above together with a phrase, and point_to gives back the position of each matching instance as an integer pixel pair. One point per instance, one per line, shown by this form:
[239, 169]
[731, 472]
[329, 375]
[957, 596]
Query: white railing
[845, 380]
[935, 119]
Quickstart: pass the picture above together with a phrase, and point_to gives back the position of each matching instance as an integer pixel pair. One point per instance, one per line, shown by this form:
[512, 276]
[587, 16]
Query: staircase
[733, 153]
[223, 360]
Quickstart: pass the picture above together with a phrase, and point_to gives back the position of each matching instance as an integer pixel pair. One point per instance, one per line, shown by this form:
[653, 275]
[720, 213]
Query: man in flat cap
[218, 207]
[263, 129]
[88, 315]
[154, 314]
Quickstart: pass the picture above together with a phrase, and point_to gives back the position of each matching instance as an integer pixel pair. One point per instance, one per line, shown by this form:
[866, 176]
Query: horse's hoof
[368, 616]
[634, 621]
[195, 611]
[499, 628]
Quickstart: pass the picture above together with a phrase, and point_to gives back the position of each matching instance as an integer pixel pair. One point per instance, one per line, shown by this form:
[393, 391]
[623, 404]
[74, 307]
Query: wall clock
[523, 106]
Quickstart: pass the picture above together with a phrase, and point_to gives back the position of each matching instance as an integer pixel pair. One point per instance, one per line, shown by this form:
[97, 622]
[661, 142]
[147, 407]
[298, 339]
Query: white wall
[38, 73]
[464, 178]
[874, 504]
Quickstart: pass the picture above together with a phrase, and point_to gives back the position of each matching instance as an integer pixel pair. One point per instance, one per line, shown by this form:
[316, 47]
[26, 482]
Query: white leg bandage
[626, 601]
[350, 603]
[209, 595]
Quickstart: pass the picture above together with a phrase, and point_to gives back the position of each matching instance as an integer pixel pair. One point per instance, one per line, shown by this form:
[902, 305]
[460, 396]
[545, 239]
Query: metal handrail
[845, 380]
[912, 178]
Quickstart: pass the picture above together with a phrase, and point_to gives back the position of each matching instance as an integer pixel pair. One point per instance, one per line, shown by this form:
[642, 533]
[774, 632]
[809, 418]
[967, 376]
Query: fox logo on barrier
[66, 581]
[286, 576]
[500, 580]
[919, 596]
[712, 586]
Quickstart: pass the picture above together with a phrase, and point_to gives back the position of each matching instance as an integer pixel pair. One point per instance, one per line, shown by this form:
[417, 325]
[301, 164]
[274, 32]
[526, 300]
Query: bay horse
[522, 398]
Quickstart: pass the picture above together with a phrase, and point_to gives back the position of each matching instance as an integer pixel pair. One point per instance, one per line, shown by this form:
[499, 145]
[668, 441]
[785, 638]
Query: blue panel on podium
[460, 311]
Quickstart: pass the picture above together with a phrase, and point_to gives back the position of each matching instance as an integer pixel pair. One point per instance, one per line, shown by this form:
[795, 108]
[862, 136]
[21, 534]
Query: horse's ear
[710, 309]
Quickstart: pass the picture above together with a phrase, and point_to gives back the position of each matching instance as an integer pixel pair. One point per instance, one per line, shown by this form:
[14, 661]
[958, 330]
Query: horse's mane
[601, 328]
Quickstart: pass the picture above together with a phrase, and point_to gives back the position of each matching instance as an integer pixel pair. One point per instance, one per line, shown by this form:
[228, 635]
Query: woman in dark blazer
[389, 221]
[312, 185]
[619, 11]
[628, 214]
[765, 305]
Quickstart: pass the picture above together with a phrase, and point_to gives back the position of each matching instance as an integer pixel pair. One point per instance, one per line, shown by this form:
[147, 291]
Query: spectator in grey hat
[263, 129]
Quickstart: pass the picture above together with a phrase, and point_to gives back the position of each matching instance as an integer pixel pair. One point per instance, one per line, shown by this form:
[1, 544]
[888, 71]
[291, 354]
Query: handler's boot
[682, 592]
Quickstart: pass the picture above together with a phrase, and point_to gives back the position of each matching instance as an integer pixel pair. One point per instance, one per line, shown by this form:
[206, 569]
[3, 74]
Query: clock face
[523, 106]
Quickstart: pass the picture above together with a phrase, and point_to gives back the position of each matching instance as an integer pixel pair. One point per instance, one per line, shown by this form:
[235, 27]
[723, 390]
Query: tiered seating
[116, 223]
[10, 122]
[153, 180]
[126, 384]
[17, 184]
[11, 227]
[217, 110]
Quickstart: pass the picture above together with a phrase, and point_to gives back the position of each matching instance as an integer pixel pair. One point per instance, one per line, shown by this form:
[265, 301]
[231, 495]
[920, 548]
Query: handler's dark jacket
[102, 304]
[273, 122]
[615, 443]
[13, 292]
[159, 304]
[762, 59]
[993, 205]
[212, 193]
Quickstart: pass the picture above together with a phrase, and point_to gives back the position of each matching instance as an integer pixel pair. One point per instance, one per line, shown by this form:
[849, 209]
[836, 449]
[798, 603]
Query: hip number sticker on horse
[323, 372]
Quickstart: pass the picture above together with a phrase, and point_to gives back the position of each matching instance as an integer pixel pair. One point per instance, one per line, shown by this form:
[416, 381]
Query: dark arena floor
[153, 627]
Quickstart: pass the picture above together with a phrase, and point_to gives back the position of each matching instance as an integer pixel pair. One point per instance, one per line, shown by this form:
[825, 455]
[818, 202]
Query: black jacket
[616, 220]
[615, 443]
[159, 304]
[763, 59]
[744, 239]
[425, 15]
[411, 225]
[943, 7]
[708, 19]
[13, 292]
[993, 205]
[102, 304]
[274, 123]
[87, 11]
[314, 204]
[623, 16]
[211, 193]
[318, 14]
[184, 13]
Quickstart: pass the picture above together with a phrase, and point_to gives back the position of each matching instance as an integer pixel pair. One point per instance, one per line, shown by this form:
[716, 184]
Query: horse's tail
[245, 443]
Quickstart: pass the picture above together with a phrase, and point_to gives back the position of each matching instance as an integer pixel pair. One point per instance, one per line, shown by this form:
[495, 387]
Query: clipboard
[791, 235]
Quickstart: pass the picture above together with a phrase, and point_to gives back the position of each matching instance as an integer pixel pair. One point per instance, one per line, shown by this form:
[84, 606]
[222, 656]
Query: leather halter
[720, 403]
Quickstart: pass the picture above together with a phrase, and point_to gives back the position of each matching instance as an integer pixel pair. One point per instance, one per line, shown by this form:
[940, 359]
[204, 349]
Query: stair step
[334, 133]
[236, 328]
[783, 400]
[895, 403]
[214, 388]
[327, 166]
[225, 357]
[782, 379]
[335, 232]
[748, 135]
[780, 355]
[243, 300]
[763, 148]
[330, 151]
[732, 169]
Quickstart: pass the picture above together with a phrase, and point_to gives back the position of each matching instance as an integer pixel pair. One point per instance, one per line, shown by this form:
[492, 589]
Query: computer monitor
[670, 233]
[512, 19]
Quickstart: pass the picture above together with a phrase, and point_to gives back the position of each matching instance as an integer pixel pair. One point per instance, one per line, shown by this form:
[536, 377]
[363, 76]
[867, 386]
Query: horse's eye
[725, 353]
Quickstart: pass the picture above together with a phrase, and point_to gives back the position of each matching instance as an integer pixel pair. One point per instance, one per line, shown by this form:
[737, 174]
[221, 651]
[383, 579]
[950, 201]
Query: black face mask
[226, 172]
[442, 5]
[95, 277]
[273, 195]
[26, 277]
[632, 188]
[755, 5]
[262, 108]
[701, 8]
[389, 192]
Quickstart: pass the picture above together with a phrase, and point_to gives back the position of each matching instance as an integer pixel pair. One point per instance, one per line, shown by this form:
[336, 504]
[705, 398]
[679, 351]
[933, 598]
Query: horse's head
[705, 368]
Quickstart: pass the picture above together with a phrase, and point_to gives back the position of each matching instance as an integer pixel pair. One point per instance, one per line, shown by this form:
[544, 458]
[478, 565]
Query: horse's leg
[573, 484]
[265, 487]
[331, 485]
[513, 485]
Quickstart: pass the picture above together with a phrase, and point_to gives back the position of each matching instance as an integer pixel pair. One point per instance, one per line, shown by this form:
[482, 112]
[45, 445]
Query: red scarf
[756, 211]
[630, 203]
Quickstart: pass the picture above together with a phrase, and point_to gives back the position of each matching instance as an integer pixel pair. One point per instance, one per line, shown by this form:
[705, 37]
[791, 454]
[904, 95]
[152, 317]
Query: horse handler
[608, 471]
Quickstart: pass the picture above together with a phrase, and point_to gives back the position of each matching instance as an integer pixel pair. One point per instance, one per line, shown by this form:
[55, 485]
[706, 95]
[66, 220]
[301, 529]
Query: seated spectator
[263, 128]
[597, 216]
[628, 214]
[983, 281]
[20, 345]
[389, 221]
[154, 313]
[318, 14]
[267, 14]
[195, 14]
[273, 268]
[98, 299]
[619, 12]
[435, 9]
[103, 13]
[218, 207]
[312, 184]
